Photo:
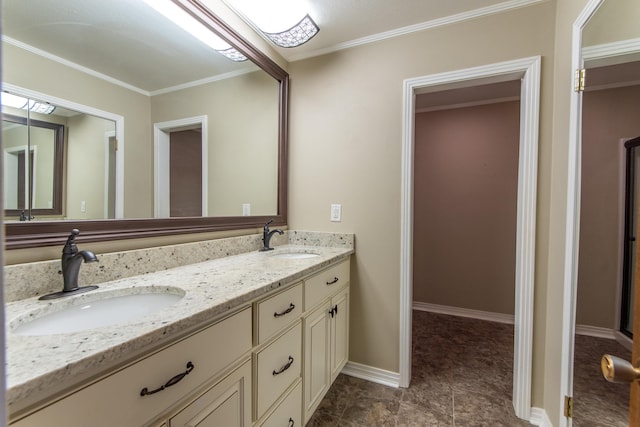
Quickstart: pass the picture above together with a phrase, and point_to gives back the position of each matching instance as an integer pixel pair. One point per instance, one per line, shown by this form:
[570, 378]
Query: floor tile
[462, 376]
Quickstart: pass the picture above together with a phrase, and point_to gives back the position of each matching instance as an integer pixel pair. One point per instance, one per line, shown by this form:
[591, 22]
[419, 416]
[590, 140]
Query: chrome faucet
[266, 236]
[72, 258]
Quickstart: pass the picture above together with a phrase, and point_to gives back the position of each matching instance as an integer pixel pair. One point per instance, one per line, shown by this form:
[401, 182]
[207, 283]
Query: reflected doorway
[180, 168]
[185, 173]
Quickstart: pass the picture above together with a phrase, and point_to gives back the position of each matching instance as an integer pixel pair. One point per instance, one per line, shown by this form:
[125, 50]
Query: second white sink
[97, 313]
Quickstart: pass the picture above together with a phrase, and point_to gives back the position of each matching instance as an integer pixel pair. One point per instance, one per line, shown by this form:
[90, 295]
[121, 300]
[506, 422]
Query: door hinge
[115, 145]
[579, 80]
[568, 406]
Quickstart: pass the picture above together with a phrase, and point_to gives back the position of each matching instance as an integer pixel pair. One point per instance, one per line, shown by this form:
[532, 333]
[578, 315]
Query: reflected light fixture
[178, 16]
[15, 101]
[286, 23]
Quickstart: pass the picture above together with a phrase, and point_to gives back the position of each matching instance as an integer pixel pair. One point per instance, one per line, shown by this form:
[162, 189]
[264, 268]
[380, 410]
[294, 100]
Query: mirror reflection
[608, 208]
[144, 135]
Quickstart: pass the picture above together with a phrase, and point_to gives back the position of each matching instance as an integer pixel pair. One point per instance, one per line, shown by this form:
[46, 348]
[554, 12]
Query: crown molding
[447, 20]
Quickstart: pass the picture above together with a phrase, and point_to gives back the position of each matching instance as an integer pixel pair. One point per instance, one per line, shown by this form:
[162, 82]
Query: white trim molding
[528, 71]
[595, 331]
[464, 312]
[369, 373]
[540, 418]
[610, 53]
[434, 23]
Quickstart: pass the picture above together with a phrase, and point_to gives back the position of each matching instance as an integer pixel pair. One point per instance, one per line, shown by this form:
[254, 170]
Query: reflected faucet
[266, 236]
[72, 258]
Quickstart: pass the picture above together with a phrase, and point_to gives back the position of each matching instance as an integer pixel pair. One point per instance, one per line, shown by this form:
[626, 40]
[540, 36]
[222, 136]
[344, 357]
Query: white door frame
[528, 70]
[107, 152]
[570, 280]
[161, 159]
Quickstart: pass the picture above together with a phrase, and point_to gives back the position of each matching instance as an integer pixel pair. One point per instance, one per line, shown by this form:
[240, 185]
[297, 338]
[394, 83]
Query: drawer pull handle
[173, 381]
[285, 367]
[287, 311]
[291, 423]
[335, 280]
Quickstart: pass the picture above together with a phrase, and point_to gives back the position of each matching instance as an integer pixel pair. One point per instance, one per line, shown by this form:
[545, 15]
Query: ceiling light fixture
[178, 16]
[299, 34]
[285, 22]
[15, 101]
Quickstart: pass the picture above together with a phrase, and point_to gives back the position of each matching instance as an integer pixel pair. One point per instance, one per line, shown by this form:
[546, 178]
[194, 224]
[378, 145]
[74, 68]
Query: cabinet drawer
[325, 284]
[117, 399]
[276, 313]
[277, 367]
[225, 404]
[289, 411]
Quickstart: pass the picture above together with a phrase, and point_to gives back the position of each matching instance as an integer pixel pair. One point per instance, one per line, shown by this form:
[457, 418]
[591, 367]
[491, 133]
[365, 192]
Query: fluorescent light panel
[15, 101]
[178, 16]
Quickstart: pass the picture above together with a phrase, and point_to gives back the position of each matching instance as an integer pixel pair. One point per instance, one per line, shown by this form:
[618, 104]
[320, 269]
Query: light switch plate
[336, 213]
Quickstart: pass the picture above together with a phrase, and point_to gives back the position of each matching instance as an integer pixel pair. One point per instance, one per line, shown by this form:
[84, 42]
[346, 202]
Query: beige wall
[601, 28]
[85, 166]
[548, 342]
[465, 199]
[608, 116]
[346, 137]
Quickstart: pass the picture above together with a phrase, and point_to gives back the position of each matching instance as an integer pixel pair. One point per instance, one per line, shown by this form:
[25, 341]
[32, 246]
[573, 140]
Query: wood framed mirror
[44, 232]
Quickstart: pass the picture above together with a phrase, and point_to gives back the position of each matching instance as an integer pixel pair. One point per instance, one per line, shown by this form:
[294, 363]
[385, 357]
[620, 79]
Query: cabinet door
[287, 414]
[316, 350]
[228, 403]
[339, 332]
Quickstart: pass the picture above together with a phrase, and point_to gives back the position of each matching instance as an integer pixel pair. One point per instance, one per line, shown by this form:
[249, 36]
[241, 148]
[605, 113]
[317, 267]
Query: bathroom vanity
[256, 340]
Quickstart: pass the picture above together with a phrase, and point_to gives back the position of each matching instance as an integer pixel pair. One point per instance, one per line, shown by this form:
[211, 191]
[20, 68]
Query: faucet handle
[70, 247]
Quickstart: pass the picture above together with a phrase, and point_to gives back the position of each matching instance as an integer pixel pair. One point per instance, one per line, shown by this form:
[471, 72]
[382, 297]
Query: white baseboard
[624, 340]
[464, 312]
[595, 331]
[540, 418]
[369, 373]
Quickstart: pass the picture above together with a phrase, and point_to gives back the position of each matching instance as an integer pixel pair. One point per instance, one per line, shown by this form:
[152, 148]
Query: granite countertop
[39, 365]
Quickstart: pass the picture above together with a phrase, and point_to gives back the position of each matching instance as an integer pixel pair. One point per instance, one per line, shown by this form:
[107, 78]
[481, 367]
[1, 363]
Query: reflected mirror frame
[58, 150]
[51, 233]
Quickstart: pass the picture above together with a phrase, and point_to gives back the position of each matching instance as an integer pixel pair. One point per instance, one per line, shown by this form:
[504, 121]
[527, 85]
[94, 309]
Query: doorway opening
[465, 200]
[527, 71]
[180, 168]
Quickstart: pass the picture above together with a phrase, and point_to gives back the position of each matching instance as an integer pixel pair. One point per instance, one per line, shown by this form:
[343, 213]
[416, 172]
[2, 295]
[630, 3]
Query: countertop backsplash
[38, 278]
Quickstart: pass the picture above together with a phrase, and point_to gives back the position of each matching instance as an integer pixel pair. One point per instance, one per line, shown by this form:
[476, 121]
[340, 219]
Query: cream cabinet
[267, 365]
[159, 383]
[326, 333]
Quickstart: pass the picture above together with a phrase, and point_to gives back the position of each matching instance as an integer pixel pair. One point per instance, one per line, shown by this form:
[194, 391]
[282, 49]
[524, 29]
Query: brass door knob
[618, 370]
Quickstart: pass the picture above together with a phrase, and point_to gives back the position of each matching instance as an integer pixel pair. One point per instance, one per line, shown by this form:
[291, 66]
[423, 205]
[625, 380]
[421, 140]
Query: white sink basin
[295, 255]
[96, 311]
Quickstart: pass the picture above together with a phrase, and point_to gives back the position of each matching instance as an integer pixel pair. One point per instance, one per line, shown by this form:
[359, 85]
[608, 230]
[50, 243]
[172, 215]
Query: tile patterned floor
[462, 376]
[598, 403]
